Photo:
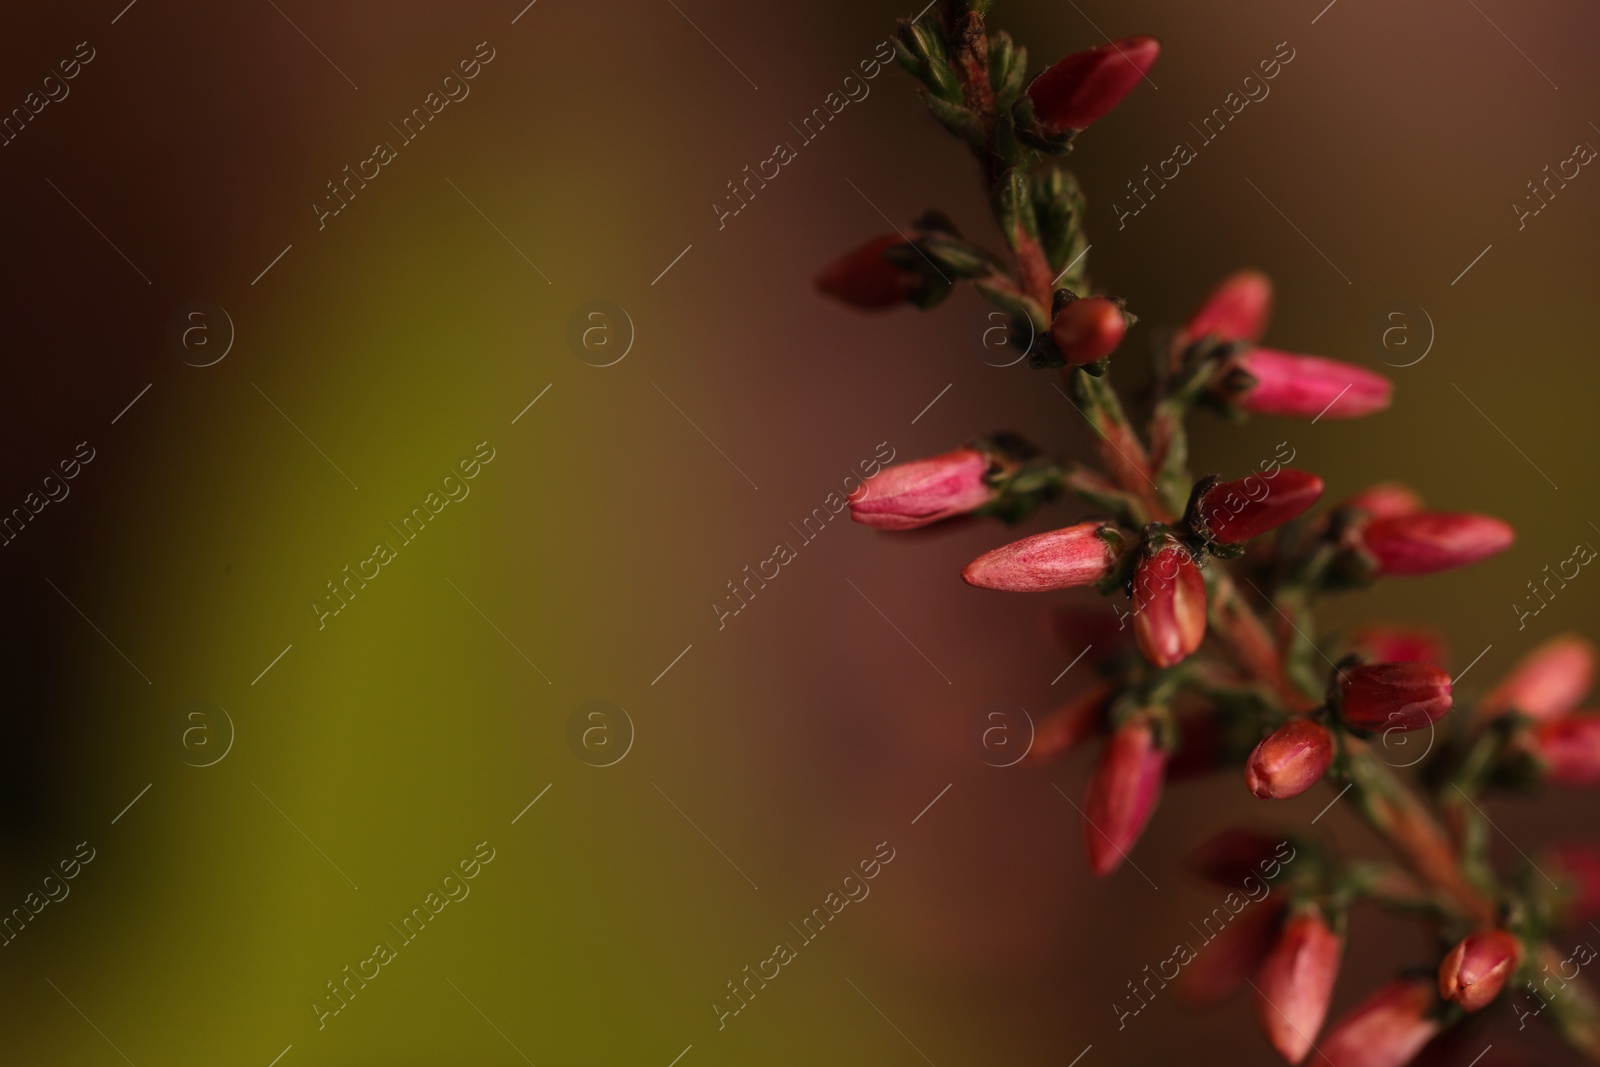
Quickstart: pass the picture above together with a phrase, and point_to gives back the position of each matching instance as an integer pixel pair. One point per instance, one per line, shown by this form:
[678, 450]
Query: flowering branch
[1205, 682]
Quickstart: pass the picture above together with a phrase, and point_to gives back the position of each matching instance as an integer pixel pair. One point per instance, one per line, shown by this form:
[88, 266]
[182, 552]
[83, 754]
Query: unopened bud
[1385, 1030]
[1289, 760]
[1569, 748]
[1310, 386]
[1088, 329]
[908, 495]
[1478, 967]
[1427, 541]
[864, 279]
[1546, 683]
[1059, 559]
[1233, 512]
[1085, 86]
[1122, 794]
[1295, 984]
[1393, 696]
[1236, 310]
[1386, 499]
[1381, 643]
[1169, 603]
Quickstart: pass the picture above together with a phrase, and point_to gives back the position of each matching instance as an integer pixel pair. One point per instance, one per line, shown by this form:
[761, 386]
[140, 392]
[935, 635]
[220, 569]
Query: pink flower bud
[1233, 512]
[1386, 499]
[1380, 643]
[1569, 748]
[1385, 1030]
[1088, 329]
[1236, 310]
[864, 279]
[1122, 794]
[1428, 541]
[1067, 727]
[1478, 967]
[1309, 386]
[1289, 760]
[1577, 866]
[1059, 559]
[1084, 86]
[1295, 984]
[1546, 683]
[1394, 696]
[908, 495]
[1169, 604]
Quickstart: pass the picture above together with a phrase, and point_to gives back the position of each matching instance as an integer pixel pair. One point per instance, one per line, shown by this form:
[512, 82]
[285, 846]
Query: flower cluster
[1206, 683]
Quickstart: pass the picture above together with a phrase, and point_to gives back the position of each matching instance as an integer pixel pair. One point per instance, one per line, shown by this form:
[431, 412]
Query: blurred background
[267, 374]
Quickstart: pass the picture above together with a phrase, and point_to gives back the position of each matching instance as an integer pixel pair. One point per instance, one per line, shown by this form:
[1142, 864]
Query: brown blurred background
[423, 318]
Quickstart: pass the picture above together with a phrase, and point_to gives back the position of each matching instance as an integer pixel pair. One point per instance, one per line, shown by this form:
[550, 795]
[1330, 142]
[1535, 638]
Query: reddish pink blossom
[908, 495]
[1059, 559]
[1236, 310]
[1383, 643]
[1385, 1030]
[1289, 760]
[1295, 984]
[1546, 683]
[1569, 748]
[1310, 386]
[1169, 604]
[864, 279]
[1088, 329]
[1394, 696]
[1386, 499]
[1478, 967]
[1427, 541]
[1085, 86]
[1232, 512]
[1122, 794]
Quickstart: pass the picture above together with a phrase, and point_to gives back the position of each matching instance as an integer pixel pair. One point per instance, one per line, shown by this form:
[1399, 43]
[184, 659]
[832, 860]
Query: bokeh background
[379, 349]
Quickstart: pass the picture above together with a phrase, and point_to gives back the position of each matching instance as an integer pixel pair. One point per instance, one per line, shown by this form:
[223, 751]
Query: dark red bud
[1169, 604]
[1233, 512]
[864, 279]
[1394, 696]
[1088, 329]
[1085, 86]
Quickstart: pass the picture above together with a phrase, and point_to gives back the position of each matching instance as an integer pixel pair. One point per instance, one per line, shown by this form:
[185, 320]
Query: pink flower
[1085, 86]
[1546, 683]
[1122, 794]
[864, 279]
[1569, 747]
[1289, 760]
[1059, 559]
[1232, 512]
[1380, 643]
[1427, 541]
[1478, 967]
[1394, 696]
[908, 495]
[1088, 329]
[1385, 1030]
[1386, 499]
[1169, 604]
[1236, 310]
[1295, 984]
[1309, 386]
